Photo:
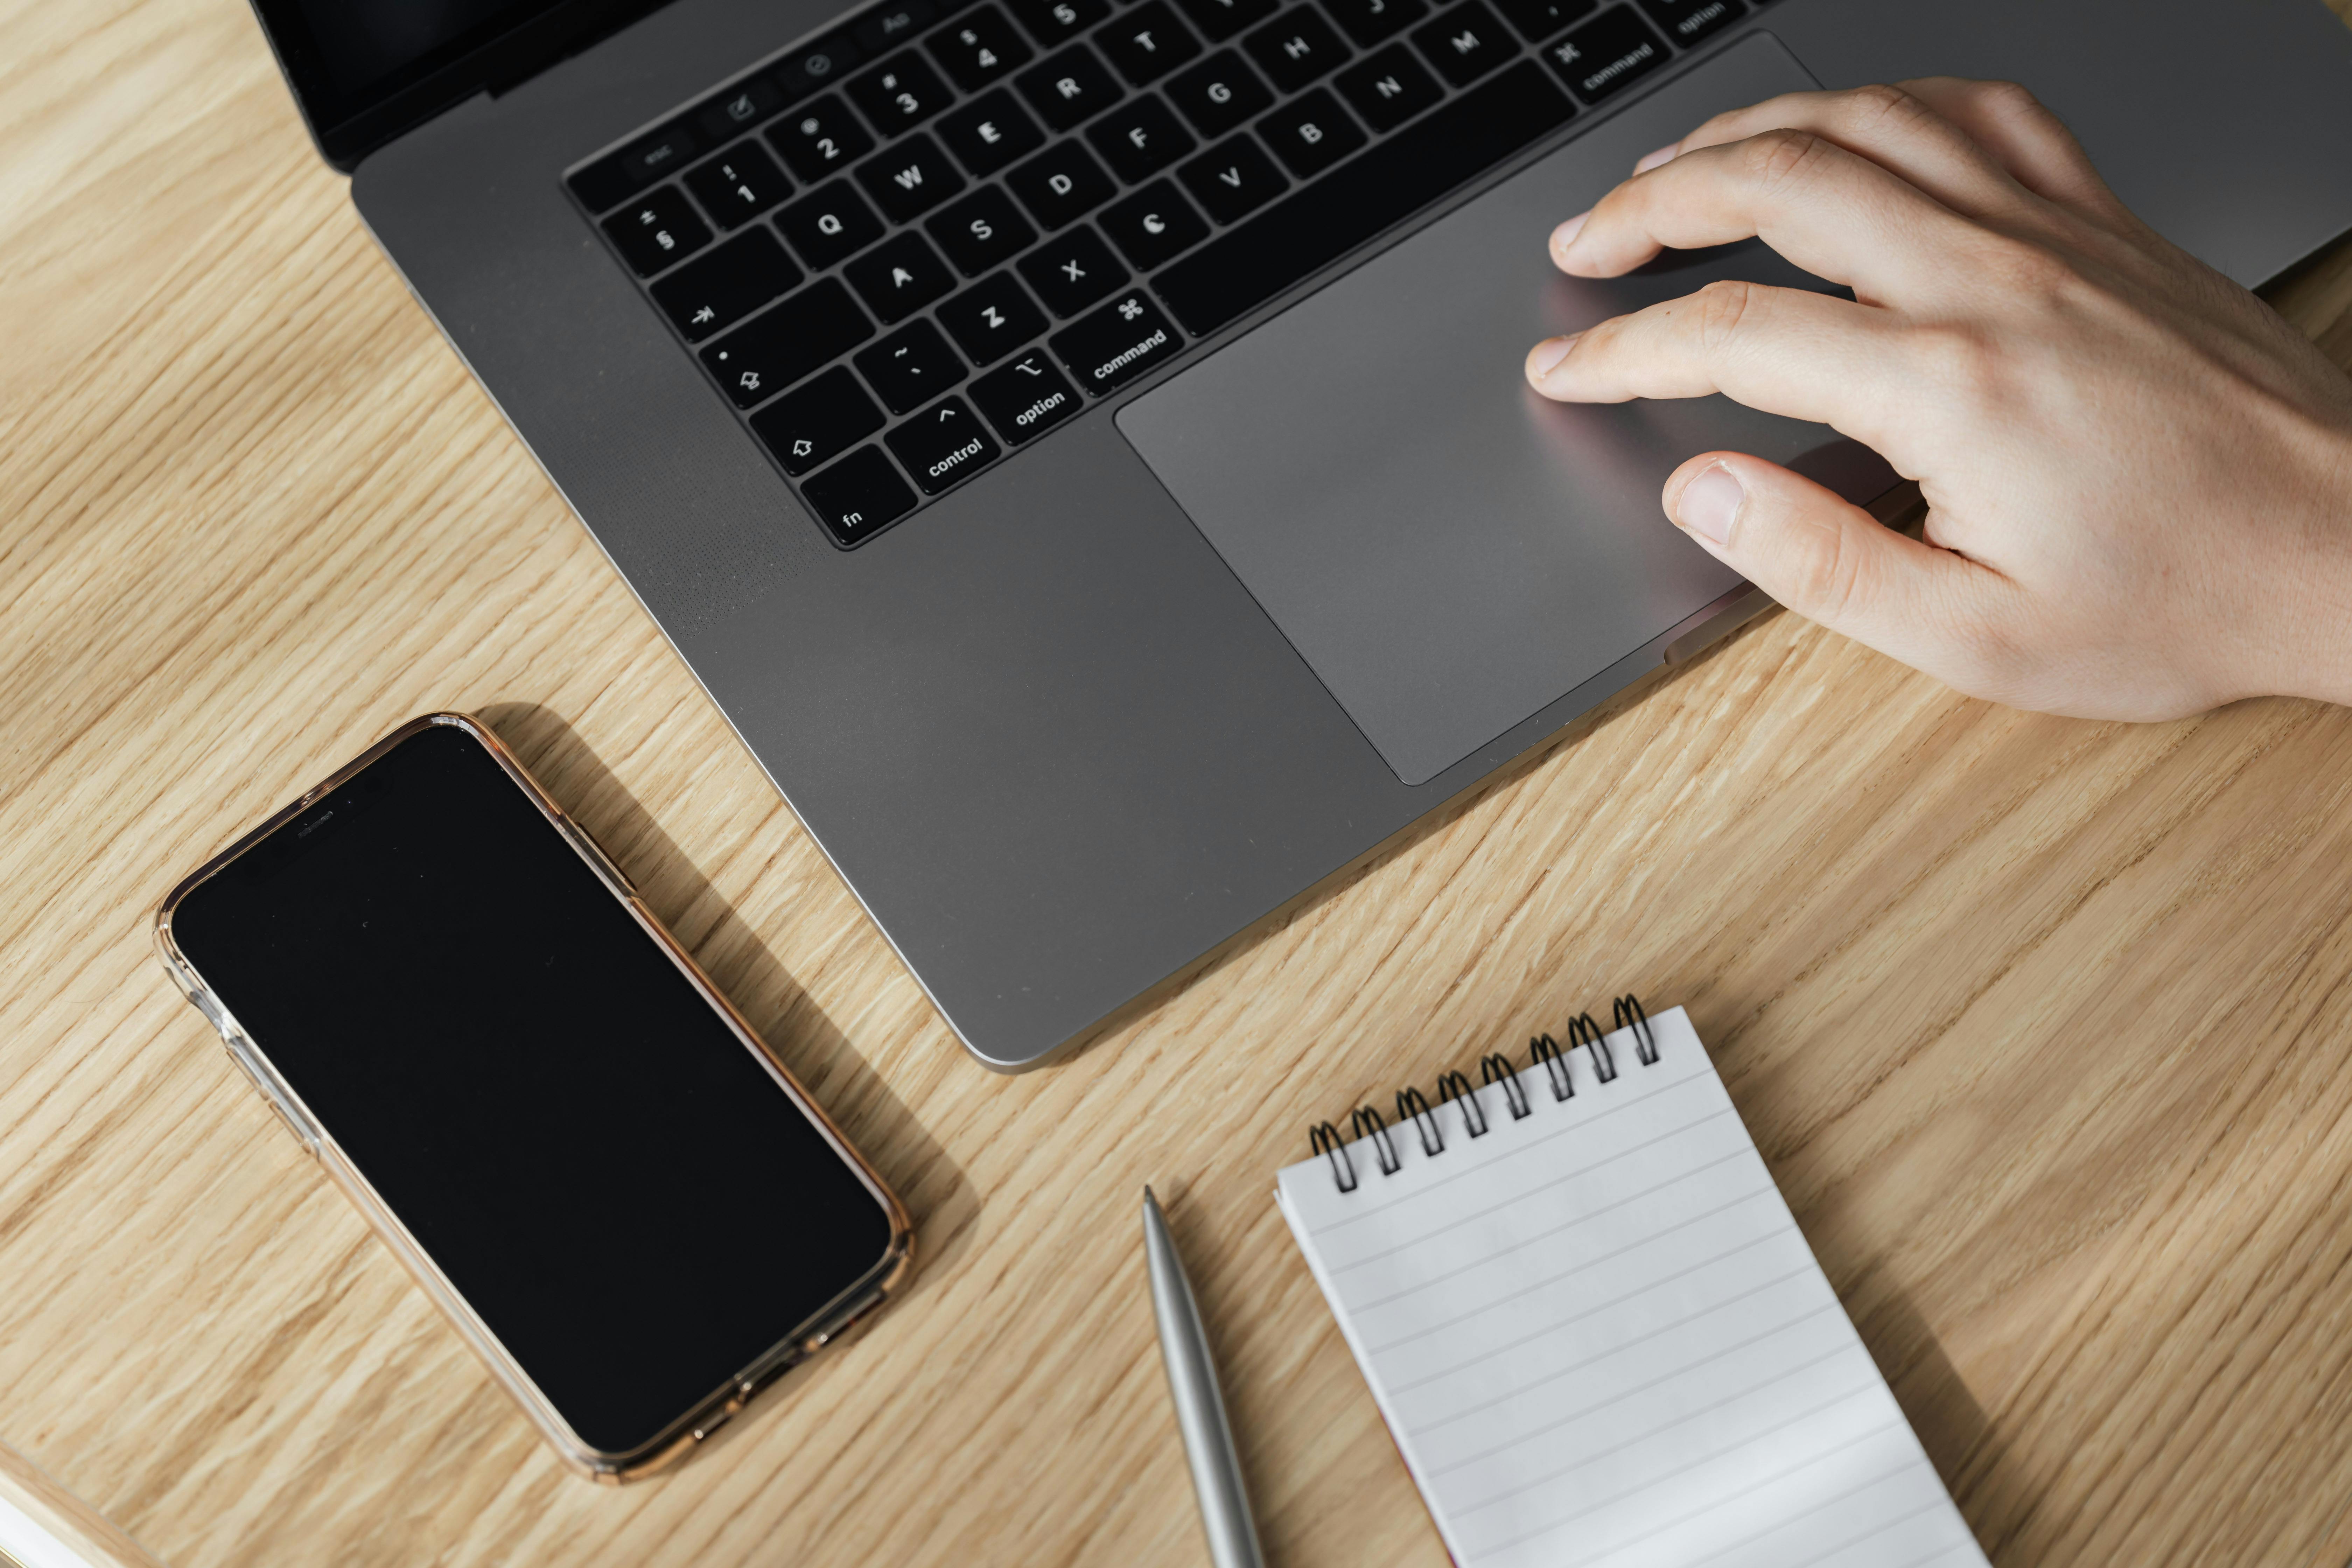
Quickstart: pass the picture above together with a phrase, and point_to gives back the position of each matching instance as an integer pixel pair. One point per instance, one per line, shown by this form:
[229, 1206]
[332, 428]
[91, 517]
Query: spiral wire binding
[1496, 1067]
[1382, 1150]
[1327, 1142]
[1454, 1086]
[1413, 1103]
[1413, 1106]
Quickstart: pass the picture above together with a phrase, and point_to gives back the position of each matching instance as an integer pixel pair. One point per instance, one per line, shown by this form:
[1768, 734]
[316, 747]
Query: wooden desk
[2041, 1024]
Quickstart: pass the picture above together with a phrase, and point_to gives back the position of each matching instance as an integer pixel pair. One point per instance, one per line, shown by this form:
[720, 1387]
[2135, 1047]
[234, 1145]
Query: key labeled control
[1114, 345]
[942, 443]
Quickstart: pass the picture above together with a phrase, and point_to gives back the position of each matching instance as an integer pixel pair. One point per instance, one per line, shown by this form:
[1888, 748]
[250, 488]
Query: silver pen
[1200, 1408]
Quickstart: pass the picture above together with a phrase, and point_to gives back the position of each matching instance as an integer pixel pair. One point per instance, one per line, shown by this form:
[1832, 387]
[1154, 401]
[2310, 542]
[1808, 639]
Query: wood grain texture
[2040, 1024]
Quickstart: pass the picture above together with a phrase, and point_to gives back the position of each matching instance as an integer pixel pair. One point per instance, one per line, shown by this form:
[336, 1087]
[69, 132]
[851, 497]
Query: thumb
[1826, 558]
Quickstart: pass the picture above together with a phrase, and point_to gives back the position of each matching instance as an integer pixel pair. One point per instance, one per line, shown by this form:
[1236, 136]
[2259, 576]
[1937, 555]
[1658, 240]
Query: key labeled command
[1116, 344]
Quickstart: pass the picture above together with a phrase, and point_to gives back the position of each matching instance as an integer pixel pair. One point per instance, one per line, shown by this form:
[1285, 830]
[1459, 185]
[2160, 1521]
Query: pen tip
[1147, 1196]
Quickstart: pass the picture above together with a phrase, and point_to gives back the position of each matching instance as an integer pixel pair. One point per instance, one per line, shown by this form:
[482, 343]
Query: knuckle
[1882, 106]
[1778, 157]
[1719, 309]
[1832, 574]
[2005, 102]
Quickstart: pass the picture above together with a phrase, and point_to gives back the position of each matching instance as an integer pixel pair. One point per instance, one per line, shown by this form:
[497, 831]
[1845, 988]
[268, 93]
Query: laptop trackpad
[1448, 552]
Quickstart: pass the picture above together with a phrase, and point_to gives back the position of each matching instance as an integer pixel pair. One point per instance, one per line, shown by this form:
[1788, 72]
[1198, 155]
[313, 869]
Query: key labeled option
[859, 496]
[1153, 225]
[1687, 21]
[942, 443]
[1116, 344]
[713, 292]
[1027, 398]
[1607, 55]
[808, 429]
[657, 229]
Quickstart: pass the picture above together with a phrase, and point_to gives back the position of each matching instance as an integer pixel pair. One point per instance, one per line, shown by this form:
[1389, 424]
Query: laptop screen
[364, 70]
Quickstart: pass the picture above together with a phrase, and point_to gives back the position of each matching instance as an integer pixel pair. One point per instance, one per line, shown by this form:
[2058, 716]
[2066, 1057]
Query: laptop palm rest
[1448, 552]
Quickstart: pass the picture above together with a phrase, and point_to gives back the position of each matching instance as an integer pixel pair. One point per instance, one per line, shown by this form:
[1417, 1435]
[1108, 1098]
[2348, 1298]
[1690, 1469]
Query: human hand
[2140, 477]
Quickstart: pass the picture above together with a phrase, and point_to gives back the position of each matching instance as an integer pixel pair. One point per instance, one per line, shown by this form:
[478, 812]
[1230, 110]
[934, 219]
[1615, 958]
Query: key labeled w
[908, 177]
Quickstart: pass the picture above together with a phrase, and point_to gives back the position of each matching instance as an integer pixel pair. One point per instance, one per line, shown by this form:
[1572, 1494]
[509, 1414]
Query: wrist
[2304, 616]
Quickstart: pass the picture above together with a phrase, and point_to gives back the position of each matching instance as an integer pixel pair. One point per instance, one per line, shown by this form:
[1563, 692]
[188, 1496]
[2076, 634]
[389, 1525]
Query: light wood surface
[2041, 1024]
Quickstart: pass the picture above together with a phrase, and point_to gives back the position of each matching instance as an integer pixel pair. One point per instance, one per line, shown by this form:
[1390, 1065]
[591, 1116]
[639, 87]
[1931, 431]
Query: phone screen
[601, 1167]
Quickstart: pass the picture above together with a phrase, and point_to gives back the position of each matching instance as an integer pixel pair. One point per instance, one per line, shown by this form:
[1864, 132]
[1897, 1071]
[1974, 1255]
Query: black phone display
[611, 1177]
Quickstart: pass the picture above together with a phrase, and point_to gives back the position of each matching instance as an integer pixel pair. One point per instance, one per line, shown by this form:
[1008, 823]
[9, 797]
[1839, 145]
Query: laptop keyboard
[905, 251]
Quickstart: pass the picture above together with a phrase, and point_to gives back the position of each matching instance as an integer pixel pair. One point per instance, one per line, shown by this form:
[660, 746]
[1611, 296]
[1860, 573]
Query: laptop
[1080, 445]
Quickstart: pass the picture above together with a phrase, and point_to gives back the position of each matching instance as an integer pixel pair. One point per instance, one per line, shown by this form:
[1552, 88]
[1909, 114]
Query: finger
[1784, 350]
[1835, 214]
[1833, 562]
[1901, 131]
[2030, 144]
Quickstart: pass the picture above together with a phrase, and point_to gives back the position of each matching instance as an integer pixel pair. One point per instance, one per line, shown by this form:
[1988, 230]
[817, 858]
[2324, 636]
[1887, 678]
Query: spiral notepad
[1595, 1330]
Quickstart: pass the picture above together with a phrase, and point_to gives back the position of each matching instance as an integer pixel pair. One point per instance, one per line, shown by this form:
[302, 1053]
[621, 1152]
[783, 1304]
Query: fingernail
[1549, 354]
[1565, 235]
[1710, 503]
[1662, 155]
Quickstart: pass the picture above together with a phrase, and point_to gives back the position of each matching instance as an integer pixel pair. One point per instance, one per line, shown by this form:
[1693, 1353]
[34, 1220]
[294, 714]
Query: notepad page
[1599, 1337]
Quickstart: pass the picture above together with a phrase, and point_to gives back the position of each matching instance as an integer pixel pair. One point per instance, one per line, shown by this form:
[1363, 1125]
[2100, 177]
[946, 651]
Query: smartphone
[460, 1007]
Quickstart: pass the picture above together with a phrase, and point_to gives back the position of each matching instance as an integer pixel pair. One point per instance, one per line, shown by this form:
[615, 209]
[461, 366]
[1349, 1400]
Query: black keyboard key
[819, 65]
[1233, 178]
[981, 230]
[1139, 139]
[1540, 20]
[711, 293]
[1056, 22]
[1219, 93]
[820, 139]
[1452, 142]
[1388, 88]
[1073, 271]
[1148, 42]
[1465, 43]
[1370, 21]
[879, 30]
[657, 229]
[828, 224]
[858, 495]
[979, 49]
[910, 367]
[1295, 48]
[1153, 225]
[738, 184]
[1116, 344]
[813, 426]
[1221, 19]
[1607, 55]
[909, 179]
[900, 276]
[1025, 398]
[770, 353]
[989, 132]
[1070, 87]
[742, 107]
[1061, 185]
[900, 93]
[1688, 21]
[941, 445]
[608, 181]
[990, 320]
[1311, 133]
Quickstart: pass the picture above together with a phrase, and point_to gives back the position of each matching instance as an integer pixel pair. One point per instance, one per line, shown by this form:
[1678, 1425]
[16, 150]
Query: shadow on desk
[945, 1208]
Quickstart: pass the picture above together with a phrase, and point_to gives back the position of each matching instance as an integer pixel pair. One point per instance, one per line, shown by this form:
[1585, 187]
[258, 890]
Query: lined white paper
[1599, 1337]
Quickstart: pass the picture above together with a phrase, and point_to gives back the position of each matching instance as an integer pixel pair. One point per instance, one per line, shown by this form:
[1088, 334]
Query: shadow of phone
[944, 1205]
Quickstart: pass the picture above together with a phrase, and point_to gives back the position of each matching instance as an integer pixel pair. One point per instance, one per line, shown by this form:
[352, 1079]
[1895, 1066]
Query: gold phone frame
[680, 1436]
